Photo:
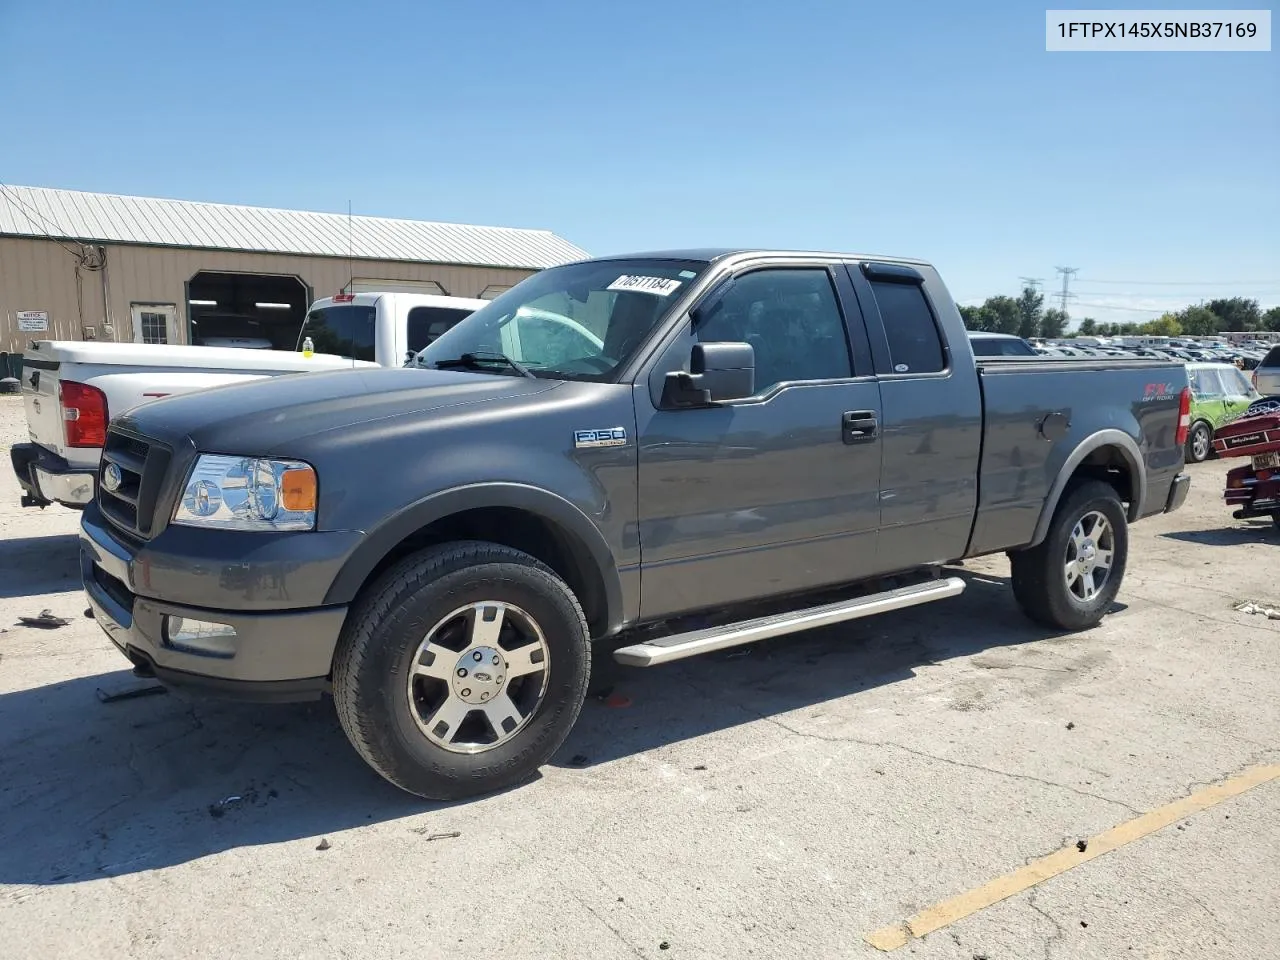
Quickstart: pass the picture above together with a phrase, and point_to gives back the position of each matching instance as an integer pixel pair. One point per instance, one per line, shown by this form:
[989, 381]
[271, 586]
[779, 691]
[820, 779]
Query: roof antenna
[351, 280]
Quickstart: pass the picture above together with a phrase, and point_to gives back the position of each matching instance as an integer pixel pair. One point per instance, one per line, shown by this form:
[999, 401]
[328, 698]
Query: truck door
[932, 423]
[774, 493]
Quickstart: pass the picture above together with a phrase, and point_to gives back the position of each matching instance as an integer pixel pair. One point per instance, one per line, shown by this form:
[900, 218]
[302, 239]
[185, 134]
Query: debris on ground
[1083, 924]
[664, 945]
[45, 621]
[1271, 613]
[617, 700]
[88, 613]
[324, 844]
[445, 835]
[1071, 725]
[131, 693]
[219, 809]
[701, 766]
[1082, 845]
[578, 760]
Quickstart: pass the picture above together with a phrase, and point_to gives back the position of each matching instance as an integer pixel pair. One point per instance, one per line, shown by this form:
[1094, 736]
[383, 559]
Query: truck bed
[1030, 431]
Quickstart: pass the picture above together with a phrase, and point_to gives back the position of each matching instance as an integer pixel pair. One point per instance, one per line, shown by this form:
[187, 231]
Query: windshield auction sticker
[660, 286]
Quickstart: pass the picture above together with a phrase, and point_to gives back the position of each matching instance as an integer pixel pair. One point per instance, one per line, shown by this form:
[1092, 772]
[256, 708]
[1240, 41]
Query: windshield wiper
[477, 359]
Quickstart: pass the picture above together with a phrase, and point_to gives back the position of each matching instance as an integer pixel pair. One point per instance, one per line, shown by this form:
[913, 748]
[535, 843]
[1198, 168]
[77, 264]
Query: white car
[71, 390]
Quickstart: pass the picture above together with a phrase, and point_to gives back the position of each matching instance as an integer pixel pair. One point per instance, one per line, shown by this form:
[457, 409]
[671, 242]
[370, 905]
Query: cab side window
[792, 319]
[915, 346]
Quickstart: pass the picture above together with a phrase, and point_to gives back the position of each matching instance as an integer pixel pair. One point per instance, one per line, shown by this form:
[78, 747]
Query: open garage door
[246, 310]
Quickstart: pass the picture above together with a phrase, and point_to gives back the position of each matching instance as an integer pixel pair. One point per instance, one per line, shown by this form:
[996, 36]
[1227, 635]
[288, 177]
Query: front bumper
[1177, 492]
[47, 478]
[274, 655]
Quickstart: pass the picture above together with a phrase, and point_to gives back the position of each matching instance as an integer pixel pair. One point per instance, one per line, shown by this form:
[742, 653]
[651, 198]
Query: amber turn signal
[298, 489]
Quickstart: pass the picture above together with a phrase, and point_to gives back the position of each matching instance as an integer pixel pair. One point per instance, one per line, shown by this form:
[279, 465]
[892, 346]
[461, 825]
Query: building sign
[33, 321]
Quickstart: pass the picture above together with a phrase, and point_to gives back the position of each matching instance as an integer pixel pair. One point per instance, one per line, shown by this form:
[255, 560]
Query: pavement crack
[889, 744]
[1058, 932]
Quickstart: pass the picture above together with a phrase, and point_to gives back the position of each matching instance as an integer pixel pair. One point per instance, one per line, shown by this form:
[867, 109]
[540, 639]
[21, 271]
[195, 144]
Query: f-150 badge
[612, 437]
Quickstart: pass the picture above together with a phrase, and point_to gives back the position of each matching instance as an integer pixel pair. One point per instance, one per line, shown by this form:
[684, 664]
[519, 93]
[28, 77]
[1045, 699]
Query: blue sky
[937, 129]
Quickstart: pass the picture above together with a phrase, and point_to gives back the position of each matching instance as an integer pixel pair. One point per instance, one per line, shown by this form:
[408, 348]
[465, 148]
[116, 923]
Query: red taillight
[343, 297]
[1184, 416]
[84, 412]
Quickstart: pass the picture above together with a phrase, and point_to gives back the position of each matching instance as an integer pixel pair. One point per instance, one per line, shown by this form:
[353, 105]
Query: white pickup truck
[386, 328]
[71, 390]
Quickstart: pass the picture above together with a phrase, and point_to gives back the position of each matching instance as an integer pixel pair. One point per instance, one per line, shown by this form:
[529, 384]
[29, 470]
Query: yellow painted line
[971, 901]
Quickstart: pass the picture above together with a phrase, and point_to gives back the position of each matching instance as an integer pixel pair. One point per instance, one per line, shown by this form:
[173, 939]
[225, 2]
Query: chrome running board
[650, 653]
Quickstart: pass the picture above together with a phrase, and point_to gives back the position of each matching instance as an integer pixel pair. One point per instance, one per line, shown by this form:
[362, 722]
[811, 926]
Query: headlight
[248, 493]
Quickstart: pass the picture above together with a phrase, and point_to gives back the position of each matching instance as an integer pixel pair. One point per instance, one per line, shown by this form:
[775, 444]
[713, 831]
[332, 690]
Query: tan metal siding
[40, 275]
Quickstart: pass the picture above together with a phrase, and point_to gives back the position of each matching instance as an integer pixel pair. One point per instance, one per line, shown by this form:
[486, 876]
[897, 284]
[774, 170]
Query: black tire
[1199, 442]
[1038, 577]
[381, 638]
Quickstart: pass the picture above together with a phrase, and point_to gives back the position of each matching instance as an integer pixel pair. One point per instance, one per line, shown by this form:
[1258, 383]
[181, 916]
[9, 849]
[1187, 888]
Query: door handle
[859, 426]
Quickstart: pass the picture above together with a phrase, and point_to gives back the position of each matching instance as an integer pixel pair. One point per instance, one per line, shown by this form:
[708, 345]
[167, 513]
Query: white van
[385, 328]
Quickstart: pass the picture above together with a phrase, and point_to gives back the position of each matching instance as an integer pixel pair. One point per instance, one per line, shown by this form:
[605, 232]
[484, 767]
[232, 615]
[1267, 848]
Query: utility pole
[1066, 280]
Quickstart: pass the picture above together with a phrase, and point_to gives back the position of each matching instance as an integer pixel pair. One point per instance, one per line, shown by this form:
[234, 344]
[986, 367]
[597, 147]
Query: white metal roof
[109, 218]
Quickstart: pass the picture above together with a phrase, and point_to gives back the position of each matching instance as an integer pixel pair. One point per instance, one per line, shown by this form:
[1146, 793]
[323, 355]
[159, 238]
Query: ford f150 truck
[747, 444]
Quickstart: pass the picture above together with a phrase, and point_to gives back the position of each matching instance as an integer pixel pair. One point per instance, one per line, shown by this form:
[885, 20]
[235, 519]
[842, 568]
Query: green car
[1219, 394]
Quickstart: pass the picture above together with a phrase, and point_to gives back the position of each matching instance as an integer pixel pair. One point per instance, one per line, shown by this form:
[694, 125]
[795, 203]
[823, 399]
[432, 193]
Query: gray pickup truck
[654, 456]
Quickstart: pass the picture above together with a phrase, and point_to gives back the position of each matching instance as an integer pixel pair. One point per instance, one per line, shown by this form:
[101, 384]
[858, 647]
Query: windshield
[577, 322]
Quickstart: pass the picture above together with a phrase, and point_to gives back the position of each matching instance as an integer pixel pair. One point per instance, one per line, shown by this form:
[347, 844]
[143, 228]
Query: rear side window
[425, 324]
[1272, 359]
[1205, 382]
[345, 330]
[914, 343]
[999, 347]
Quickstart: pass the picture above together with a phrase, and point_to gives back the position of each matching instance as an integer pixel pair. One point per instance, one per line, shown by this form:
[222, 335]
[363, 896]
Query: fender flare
[1095, 441]
[551, 507]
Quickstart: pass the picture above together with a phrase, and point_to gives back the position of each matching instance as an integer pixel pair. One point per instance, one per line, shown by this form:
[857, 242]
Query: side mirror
[718, 372]
[409, 357]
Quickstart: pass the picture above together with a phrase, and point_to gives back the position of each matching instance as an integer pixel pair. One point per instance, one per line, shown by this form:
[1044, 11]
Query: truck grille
[142, 465]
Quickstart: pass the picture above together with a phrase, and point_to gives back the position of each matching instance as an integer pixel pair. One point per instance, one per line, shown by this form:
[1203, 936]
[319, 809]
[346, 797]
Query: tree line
[1026, 316]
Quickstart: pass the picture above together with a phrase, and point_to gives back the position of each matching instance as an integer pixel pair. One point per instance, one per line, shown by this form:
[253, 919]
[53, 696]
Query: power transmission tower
[1066, 280]
[1032, 282]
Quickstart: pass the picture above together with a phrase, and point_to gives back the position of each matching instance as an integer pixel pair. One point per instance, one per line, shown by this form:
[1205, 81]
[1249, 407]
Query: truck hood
[261, 417]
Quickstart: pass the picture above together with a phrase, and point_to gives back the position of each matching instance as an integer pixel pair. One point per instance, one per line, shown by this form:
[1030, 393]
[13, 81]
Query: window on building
[154, 327]
[791, 318]
[914, 343]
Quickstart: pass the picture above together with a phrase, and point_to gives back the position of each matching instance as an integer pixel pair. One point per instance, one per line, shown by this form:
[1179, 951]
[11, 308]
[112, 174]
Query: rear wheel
[1199, 442]
[462, 670]
[1071, 578]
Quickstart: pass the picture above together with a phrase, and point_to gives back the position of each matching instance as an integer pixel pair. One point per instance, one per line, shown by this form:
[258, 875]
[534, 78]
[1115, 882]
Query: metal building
[92, 266]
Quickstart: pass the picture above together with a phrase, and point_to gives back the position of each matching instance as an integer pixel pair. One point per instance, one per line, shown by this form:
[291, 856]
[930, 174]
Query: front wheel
[462, 670]
[1199, 442]
[1070, 579]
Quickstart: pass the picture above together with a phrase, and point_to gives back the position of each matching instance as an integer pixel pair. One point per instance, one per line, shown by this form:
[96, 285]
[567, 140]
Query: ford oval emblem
[112, 477]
